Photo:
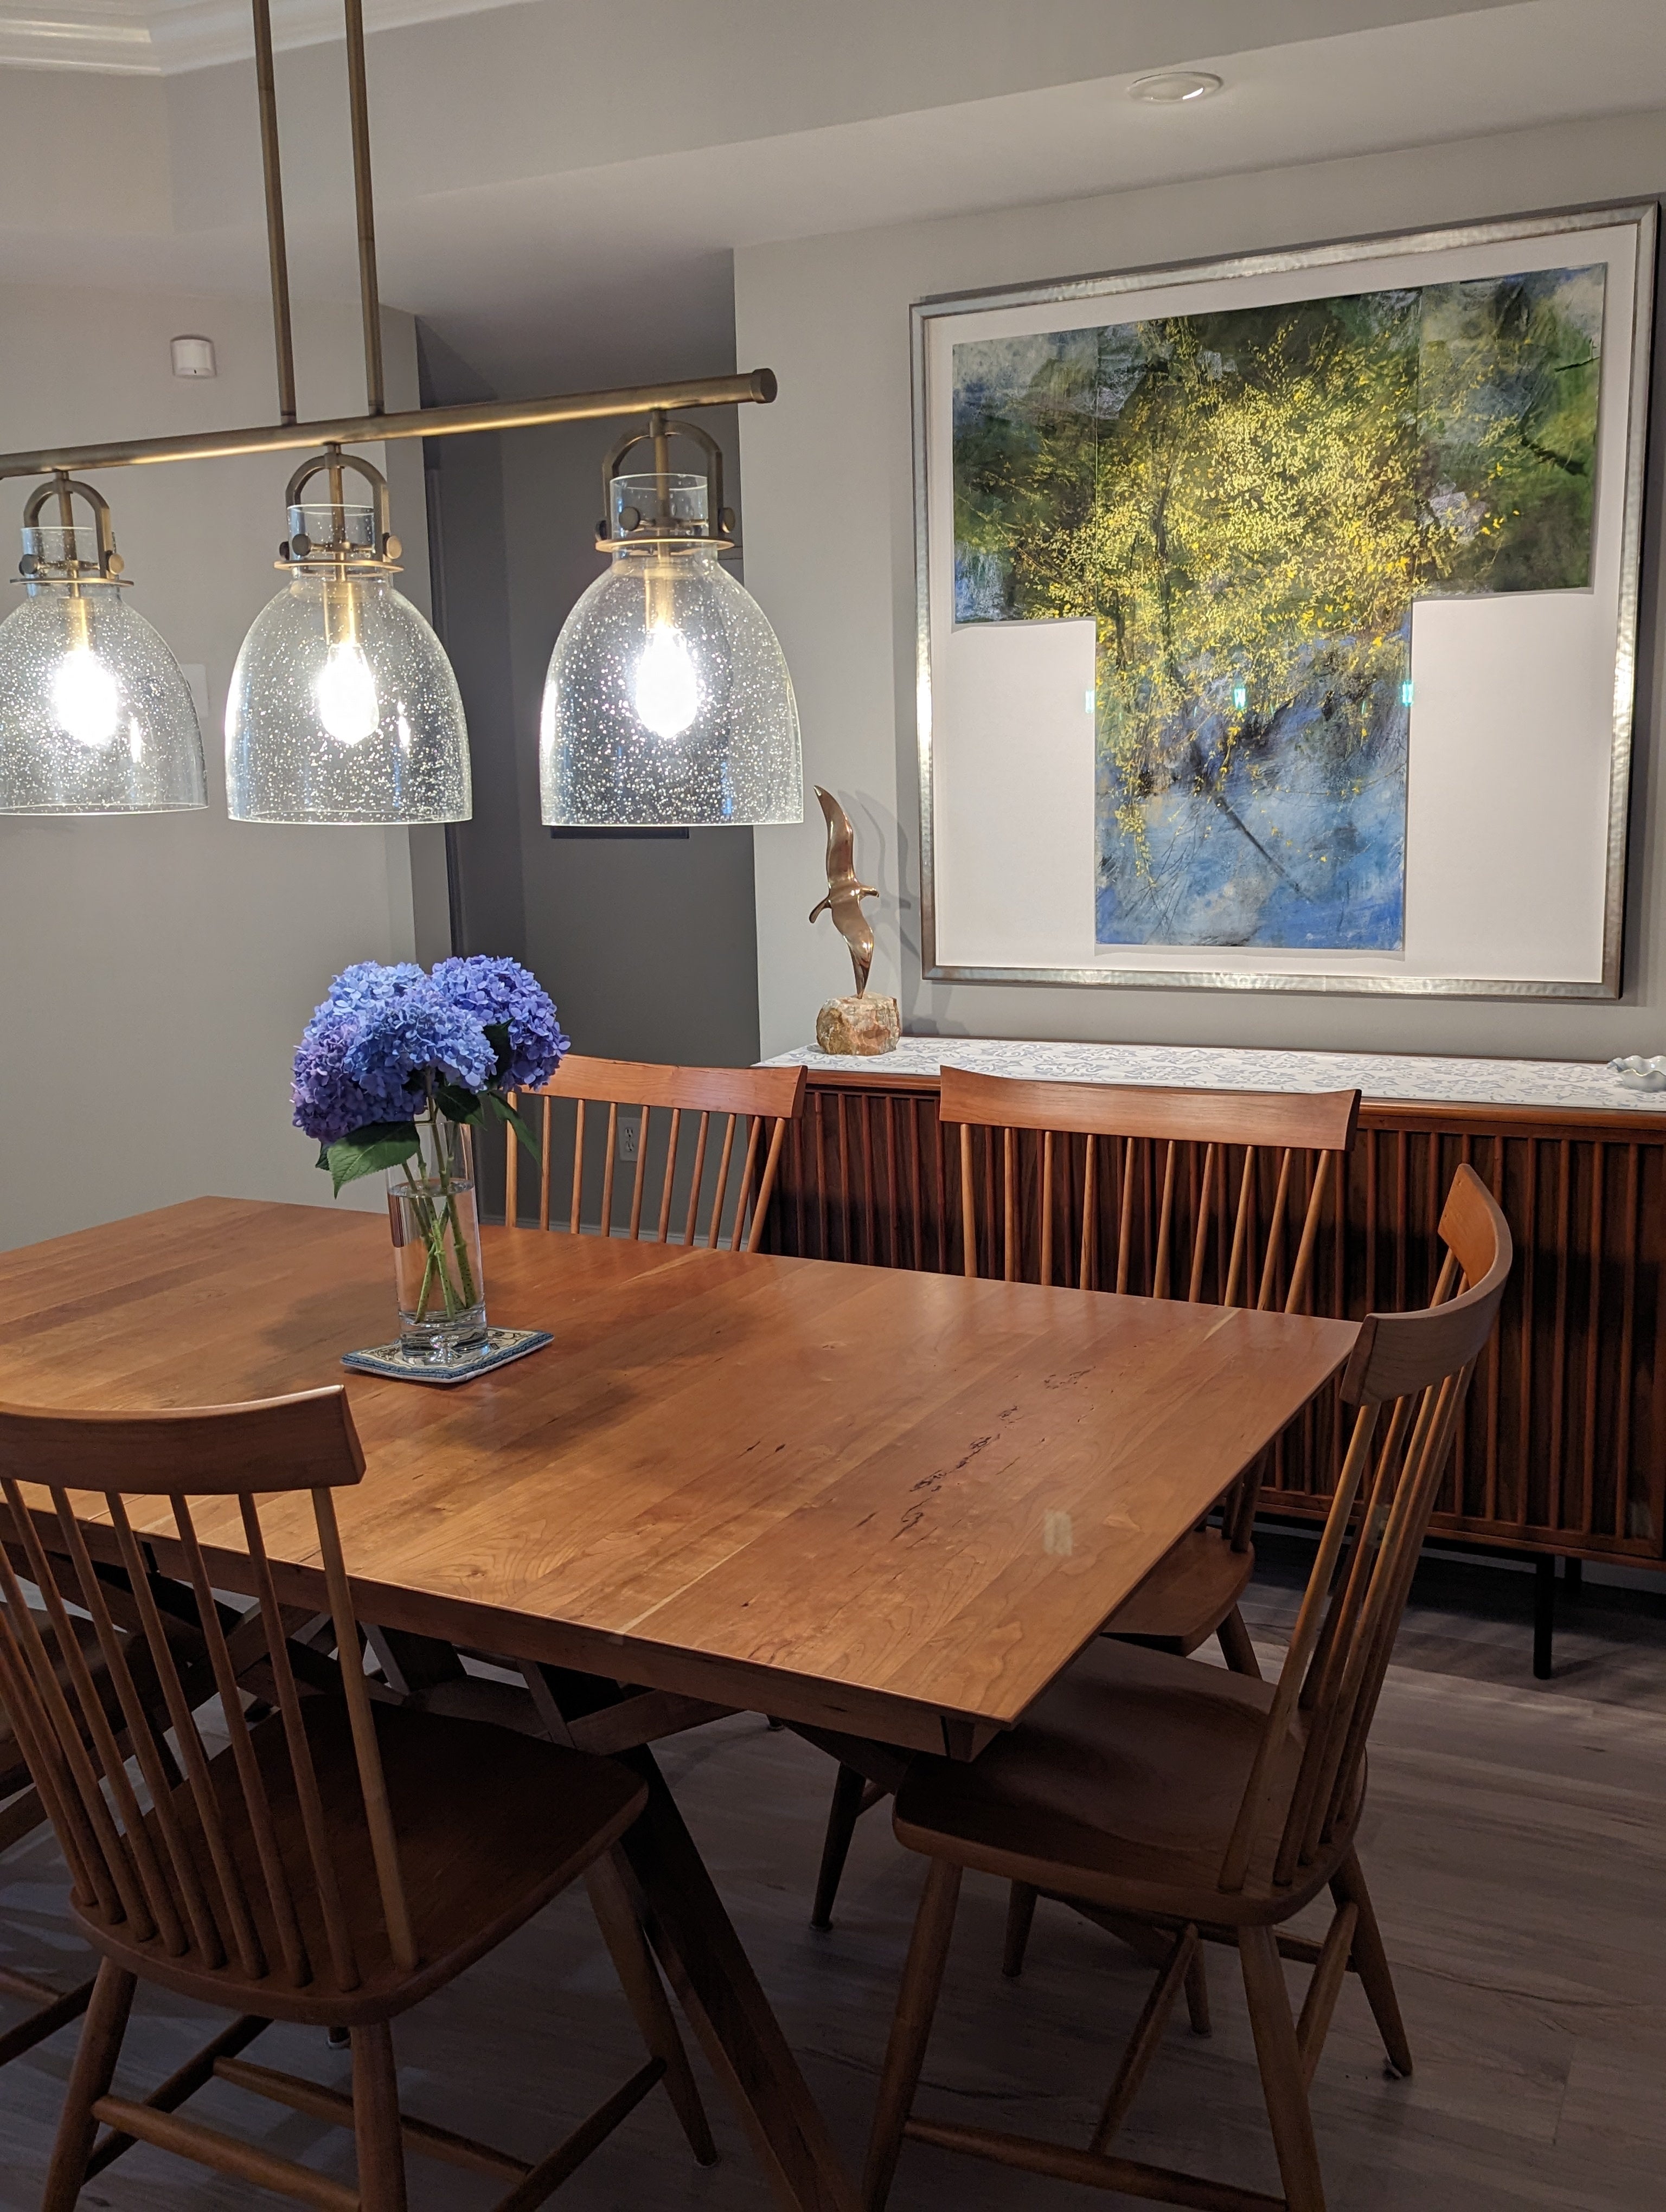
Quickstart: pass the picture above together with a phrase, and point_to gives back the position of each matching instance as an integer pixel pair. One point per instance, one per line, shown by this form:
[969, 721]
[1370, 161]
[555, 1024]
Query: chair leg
[639, 1978]
[1237, 1650]
[1020, 1918]
[376, 2120]
[1197, 1994]
[89, 2080]
[1371, 1961]
[1280, 2069]
[842, 1818]
[911, 2031]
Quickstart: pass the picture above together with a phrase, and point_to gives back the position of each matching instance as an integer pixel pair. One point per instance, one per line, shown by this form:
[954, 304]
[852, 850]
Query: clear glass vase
[437, 1273]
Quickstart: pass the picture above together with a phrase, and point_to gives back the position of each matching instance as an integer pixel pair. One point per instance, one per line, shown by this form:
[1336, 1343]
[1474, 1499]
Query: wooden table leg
[703, 1960]
[695, 1943]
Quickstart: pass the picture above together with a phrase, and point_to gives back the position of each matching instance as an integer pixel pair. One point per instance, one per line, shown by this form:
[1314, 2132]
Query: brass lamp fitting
[38, 566]
[339, 555]
[662, 531]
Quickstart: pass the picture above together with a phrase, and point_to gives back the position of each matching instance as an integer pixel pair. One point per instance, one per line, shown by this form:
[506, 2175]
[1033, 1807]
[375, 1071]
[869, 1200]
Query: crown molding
[114, 40]
[165, 38]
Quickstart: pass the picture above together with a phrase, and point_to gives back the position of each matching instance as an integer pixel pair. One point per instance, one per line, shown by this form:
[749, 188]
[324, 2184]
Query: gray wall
[158, 971]
[647, 945]
[830, 316]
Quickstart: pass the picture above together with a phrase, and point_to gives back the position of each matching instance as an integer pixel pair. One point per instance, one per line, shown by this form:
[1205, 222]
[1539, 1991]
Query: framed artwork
[1278, 616]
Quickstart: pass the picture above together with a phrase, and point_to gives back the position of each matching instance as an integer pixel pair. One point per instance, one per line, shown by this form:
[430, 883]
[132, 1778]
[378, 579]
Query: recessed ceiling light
[1172, 86]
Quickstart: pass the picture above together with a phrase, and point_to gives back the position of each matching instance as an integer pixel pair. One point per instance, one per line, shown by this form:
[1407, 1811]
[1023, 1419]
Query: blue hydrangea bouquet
[394, 1071]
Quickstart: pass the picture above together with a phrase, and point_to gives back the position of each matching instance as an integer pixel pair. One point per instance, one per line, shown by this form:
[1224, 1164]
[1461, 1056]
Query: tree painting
[1247, 505]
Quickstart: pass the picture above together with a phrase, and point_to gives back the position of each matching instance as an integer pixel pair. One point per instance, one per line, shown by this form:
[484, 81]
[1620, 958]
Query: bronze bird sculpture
[844, 894]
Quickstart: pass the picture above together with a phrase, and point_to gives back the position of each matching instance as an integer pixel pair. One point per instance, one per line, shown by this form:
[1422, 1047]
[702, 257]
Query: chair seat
[1188, 1593]
[491, 1825]
[1121, 1786]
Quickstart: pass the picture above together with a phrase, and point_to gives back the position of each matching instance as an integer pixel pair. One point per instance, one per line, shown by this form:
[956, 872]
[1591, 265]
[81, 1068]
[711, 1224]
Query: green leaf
[377, 1144]
[496, 1034]
[458, 1104]
[323, 1159]
[516, 1120]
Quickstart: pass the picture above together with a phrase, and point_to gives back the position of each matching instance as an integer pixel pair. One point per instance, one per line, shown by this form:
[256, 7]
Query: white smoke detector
[193, 357]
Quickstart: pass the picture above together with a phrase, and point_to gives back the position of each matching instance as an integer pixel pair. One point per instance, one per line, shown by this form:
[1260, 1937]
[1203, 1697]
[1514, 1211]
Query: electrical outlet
[631, 1135]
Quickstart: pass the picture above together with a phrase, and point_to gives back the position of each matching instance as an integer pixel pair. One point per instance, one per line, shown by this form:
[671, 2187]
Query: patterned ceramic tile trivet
[502, 1346]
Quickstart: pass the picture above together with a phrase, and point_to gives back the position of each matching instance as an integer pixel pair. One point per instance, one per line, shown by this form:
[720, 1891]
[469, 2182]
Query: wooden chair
[334, 1863]
[21, 1810]
[691, 1096]
[1164, 1799]
[1160, 1194]
[21, 1813]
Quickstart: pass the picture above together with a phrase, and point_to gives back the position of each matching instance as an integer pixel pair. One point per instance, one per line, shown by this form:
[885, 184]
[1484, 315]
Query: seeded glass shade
[95, 717]
[668, 702]
[344, 708]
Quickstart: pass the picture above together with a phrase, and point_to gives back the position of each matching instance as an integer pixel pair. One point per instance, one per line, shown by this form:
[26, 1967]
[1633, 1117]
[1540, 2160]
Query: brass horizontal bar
[759, 384]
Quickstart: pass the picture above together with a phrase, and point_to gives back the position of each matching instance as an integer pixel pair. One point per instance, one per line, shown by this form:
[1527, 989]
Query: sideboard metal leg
[1544, 1615]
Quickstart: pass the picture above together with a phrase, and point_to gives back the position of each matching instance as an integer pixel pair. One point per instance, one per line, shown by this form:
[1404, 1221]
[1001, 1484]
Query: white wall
[831, 558]
[157, 973]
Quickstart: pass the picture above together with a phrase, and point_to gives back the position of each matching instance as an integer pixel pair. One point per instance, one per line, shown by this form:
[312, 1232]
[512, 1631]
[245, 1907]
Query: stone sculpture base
[863, 1026]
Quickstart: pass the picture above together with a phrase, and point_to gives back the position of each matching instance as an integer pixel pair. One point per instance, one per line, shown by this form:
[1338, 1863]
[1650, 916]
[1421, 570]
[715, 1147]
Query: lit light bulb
[85, 699]
[667, 689]
[346, 696]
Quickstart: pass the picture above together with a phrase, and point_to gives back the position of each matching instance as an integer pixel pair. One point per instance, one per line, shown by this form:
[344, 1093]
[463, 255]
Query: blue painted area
[980, 591]
[1285, 832]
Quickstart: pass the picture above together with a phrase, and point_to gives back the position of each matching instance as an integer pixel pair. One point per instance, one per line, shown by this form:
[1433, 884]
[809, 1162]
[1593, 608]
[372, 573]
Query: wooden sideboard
[1562, 1447]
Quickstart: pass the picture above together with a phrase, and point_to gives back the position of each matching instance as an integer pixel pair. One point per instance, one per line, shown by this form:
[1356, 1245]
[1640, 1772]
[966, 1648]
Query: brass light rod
[276, 251]
[759, 384]
[358, 101]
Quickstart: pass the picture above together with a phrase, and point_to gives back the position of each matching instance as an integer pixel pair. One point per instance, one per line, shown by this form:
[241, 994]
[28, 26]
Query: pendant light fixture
[667, 702]
[342, 706]
[95, 716]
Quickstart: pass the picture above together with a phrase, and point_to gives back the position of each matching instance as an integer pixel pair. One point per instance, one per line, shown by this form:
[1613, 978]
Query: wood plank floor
[1516, 1840]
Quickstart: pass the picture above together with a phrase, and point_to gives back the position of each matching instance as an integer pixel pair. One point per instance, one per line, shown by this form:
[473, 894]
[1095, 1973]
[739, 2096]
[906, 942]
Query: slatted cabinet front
[1562, 1445]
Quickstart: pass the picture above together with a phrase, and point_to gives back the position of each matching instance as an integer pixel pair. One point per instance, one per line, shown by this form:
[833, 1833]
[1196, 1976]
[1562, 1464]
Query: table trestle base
[1128, 2176]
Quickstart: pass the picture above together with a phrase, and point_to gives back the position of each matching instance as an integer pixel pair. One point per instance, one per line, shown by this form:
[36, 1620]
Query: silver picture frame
[1346, 254]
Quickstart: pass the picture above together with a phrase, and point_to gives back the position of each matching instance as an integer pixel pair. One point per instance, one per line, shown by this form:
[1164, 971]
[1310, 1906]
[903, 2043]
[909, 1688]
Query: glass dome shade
[95, 716]
[668, 702]
[344, 708]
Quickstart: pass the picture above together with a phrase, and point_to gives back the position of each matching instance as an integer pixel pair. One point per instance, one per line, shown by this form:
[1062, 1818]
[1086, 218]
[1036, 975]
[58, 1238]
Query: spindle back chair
[333, 1863]
[1281, 1149]
[21, 1813]
[691, 1096]
[1168, 1160]
[1162, 1799]
[1163, 1182]
[23, 1810]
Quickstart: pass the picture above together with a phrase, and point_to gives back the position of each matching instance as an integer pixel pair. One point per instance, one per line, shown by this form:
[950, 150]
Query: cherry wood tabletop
[861, 1498]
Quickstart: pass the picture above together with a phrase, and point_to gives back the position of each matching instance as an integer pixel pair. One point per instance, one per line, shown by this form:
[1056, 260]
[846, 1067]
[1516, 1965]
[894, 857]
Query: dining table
[867, 1502]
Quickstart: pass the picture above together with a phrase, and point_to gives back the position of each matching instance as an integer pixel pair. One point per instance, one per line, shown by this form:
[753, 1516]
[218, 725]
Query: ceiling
[159, 38]
[562, 182]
